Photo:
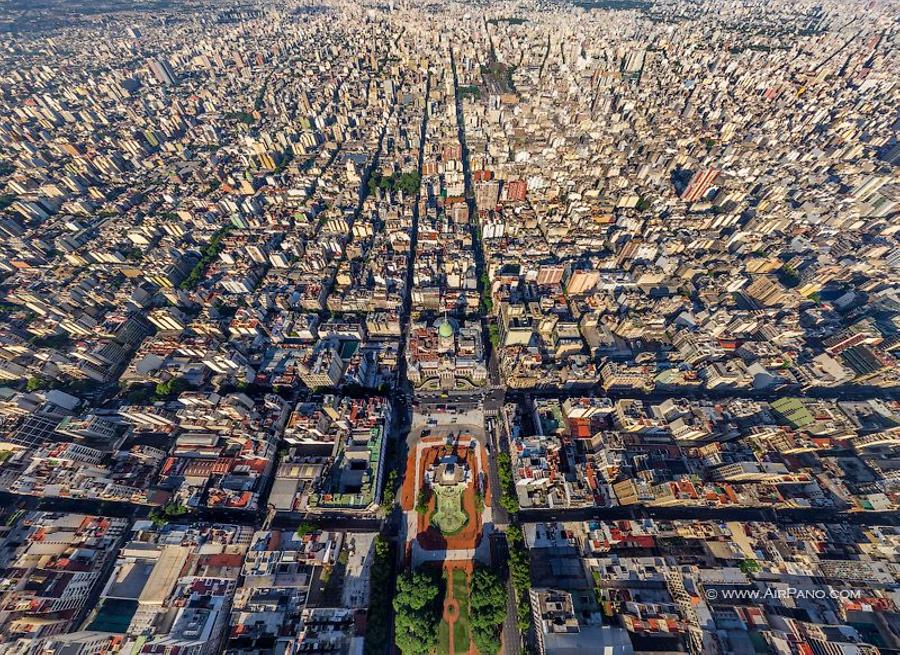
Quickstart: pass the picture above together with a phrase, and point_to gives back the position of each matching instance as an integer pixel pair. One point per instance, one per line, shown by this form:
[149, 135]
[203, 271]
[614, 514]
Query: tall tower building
[700, 183]
[163, 72]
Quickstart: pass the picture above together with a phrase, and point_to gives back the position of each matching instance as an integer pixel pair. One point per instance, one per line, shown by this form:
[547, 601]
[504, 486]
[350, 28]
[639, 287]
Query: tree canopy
[378, 625]
[520, 574]
[407, 182]
[422, 499]
[170, 389]
[487, 610]
[508, 498]
[417, 613]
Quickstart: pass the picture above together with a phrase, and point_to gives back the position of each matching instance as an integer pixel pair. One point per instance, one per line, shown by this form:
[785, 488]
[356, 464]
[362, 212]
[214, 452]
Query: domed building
[445, 356]
[446, 337]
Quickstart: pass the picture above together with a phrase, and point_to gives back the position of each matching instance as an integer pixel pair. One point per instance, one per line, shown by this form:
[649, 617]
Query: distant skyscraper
[700, 183]
[163, 72]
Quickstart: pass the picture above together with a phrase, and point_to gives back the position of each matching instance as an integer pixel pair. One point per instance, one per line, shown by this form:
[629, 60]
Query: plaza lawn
[461, 627]
[443, 639]
[449, 516]
[458, 630]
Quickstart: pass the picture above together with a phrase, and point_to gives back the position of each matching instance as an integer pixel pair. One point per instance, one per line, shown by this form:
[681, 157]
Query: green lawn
[461, 627]
[443, 639]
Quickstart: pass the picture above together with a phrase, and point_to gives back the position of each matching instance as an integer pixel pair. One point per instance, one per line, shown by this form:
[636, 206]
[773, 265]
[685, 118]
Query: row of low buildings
[629, 587]
[85, 584]
[52, 564]
[334, 457]
[789, 453]
[201, 451]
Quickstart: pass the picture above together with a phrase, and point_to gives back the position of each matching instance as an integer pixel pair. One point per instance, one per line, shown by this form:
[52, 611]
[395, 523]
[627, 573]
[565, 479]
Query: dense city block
[542, 327]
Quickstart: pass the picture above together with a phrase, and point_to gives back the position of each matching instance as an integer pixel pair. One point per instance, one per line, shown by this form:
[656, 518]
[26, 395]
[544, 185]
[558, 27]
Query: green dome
[445, 330]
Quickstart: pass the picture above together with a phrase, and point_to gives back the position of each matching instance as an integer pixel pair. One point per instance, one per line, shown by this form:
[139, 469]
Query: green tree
[159, 516]
[378, 619]
[487, 302]
[207, 255]
[508, 498]
[409, 183]
[487, 610]
[35, 383]
[749, 566]
[305, 528]
[520, 574]
[523, 615]
[170, 389]
[417, 613]
[422, 501]
[519, 568]
[139, 395]
[509, 503]
[389, 493]
[494, 335]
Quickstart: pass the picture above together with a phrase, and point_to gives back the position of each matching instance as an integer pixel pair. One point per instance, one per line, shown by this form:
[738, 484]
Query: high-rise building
[549, 275]
[514, 190]
[700, 183]
[487, 194]
[582, 281]
[163, 72]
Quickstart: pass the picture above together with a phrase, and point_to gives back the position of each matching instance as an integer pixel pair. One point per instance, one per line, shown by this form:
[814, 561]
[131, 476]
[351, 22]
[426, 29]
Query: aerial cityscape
[540, 327]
